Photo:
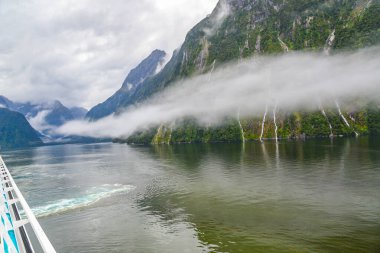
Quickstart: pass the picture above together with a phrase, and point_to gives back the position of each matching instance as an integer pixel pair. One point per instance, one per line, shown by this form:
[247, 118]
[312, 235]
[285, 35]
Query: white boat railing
[9, 186]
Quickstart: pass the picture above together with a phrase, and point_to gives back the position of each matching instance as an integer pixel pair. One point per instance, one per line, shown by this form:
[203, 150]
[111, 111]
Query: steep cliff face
[136, 76]
[238, 29]
[15, 131]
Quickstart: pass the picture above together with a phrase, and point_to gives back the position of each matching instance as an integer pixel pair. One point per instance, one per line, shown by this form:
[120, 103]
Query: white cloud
[80, 51]
[296, 81]
[38, 122]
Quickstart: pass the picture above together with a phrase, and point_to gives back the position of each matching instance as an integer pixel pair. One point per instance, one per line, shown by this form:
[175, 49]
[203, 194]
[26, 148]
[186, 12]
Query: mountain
[238, 29]
[245, 28]
[78, 112]
[56, 114]
[136, 76]
[15, 131]
[44, 116]
[6, 103]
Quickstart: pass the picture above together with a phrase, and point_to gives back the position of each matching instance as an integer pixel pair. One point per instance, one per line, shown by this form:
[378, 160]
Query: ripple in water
[93, 195]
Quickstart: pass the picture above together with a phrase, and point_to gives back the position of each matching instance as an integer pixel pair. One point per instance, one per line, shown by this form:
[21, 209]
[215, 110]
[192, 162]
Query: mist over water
[294, 81]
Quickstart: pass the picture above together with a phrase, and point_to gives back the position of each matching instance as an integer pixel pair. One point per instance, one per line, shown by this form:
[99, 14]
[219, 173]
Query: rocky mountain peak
[144, 69]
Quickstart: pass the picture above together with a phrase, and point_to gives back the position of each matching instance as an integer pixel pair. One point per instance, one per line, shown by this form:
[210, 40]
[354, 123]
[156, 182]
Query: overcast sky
[80, 51]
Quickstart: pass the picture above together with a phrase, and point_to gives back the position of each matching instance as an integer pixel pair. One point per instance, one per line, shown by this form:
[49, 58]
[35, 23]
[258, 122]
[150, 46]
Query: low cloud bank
[295, 81]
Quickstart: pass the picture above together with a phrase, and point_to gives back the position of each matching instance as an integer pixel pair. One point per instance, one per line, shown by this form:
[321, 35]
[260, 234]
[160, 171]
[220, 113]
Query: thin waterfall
[170, 135]
[283, 45]
[275, 123]
[263, 123]
[328, 121]
[157, 136]
[344, 118]
[329, 42]
[212, 70]
[241, 127]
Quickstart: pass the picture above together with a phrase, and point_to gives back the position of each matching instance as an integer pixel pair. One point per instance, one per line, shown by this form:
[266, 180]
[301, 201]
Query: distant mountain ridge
[136, 76]
[56, 113]
[33, 124]
[45, 117]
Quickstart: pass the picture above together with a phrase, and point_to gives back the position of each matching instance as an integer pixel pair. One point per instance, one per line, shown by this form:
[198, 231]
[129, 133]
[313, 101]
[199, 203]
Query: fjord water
[313, 196]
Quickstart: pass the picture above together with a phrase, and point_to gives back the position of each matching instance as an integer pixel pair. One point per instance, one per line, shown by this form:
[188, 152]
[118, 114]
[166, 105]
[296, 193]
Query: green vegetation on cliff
[265, 27]
[373, 119]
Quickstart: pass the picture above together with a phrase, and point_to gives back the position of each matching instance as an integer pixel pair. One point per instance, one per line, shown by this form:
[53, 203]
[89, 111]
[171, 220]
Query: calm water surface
[314, 196]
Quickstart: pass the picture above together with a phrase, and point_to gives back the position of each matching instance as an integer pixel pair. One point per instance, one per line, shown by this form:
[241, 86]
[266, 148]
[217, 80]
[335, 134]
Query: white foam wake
[93, 195]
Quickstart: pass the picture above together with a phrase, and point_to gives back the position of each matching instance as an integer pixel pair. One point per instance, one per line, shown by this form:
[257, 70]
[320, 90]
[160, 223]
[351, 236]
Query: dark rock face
[15, 130]
[145, 69]
[136, 76]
